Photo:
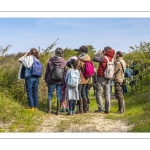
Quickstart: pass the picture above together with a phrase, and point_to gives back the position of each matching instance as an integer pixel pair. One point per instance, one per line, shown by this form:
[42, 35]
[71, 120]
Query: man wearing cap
[118, 78]
[52, 80]
[103, 83]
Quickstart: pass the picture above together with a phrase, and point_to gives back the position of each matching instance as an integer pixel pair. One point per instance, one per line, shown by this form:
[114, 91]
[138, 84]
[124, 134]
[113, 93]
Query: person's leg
[107, 95]
[110, 91]
[63, 101]
[80, 100]
[73, 106]
[119, 97]
[99, 91]
[87, 93]
[35, 91]
[70, 107]
[125, 89]
[67, 106]
[84, 98]
[94, 89]
[51, 88]
[59, 97]
[29, 85]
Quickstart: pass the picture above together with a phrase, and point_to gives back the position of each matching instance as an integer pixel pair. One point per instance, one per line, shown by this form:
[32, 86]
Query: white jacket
[27, 61]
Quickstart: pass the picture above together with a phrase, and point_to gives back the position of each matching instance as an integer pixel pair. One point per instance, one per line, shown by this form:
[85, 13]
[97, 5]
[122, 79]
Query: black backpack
[58, 73]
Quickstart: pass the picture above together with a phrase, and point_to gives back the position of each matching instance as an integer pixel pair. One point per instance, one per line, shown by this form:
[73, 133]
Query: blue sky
[119, 33]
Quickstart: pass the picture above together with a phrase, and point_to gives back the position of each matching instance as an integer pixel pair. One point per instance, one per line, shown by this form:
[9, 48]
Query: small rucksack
[37, 68]
[88, 69]
[127, 74]
[109, 71]
[57, 73]
[73, 79]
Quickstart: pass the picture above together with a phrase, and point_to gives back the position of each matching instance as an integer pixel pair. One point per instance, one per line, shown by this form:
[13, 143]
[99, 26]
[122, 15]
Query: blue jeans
[72, 104]
[32, 90]
[51, 88]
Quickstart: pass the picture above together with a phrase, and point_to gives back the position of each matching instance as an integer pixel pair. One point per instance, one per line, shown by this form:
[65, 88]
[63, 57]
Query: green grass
[137, 111]
[14, 117]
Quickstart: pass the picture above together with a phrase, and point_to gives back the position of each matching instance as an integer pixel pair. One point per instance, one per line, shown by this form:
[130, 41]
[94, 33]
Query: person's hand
[100, 51]
[26, 54]
[47, 84]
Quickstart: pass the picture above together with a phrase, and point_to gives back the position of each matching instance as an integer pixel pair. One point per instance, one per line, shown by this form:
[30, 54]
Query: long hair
[74, 63]
[35, 53]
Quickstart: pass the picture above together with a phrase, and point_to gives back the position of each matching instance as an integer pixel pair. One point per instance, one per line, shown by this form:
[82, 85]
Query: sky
[118, 33]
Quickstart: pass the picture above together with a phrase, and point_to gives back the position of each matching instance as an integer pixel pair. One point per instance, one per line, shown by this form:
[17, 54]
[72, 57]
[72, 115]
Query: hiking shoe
[78, 112]
[119, 112]
[106, 112]
[99, 111]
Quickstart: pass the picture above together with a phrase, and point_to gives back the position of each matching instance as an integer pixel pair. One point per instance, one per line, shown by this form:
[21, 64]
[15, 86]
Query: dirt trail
[89, 122]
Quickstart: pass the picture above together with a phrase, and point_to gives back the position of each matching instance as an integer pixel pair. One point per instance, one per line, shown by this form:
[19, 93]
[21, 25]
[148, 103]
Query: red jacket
[103, 62]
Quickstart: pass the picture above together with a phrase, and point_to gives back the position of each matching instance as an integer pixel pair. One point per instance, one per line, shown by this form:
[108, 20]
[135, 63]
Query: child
[72, 80]
[63, 102]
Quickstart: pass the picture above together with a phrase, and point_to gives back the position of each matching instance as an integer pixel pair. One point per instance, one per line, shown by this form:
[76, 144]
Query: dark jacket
[50, 66]
[103, 62]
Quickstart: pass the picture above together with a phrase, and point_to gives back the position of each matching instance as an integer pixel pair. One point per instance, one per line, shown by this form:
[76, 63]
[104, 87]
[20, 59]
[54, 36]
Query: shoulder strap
[108, 59]
[121, 66]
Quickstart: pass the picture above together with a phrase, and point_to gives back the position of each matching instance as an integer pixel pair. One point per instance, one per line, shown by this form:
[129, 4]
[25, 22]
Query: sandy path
[90, 122]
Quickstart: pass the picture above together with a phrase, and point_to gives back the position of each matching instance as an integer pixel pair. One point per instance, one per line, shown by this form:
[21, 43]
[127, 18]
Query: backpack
[73, 79]
[109, 71]
[36, 69]
[88, 70]
[57, 73]
[127, 74]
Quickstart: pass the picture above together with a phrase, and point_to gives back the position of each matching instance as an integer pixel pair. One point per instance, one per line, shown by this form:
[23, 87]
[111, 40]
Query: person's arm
[79, 76]
[116, 69]
[98, 57]
[26, 60]
[67, 75]
[47, 71]
[20, 59]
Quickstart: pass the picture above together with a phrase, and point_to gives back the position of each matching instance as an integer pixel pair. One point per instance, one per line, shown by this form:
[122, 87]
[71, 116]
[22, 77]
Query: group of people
[68, 79]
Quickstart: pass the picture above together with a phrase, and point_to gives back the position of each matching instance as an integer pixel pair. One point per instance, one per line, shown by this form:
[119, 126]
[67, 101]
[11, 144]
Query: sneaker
[63, 110]
[35, 108]
[69, 113]
[32, 109]
[72, 112]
